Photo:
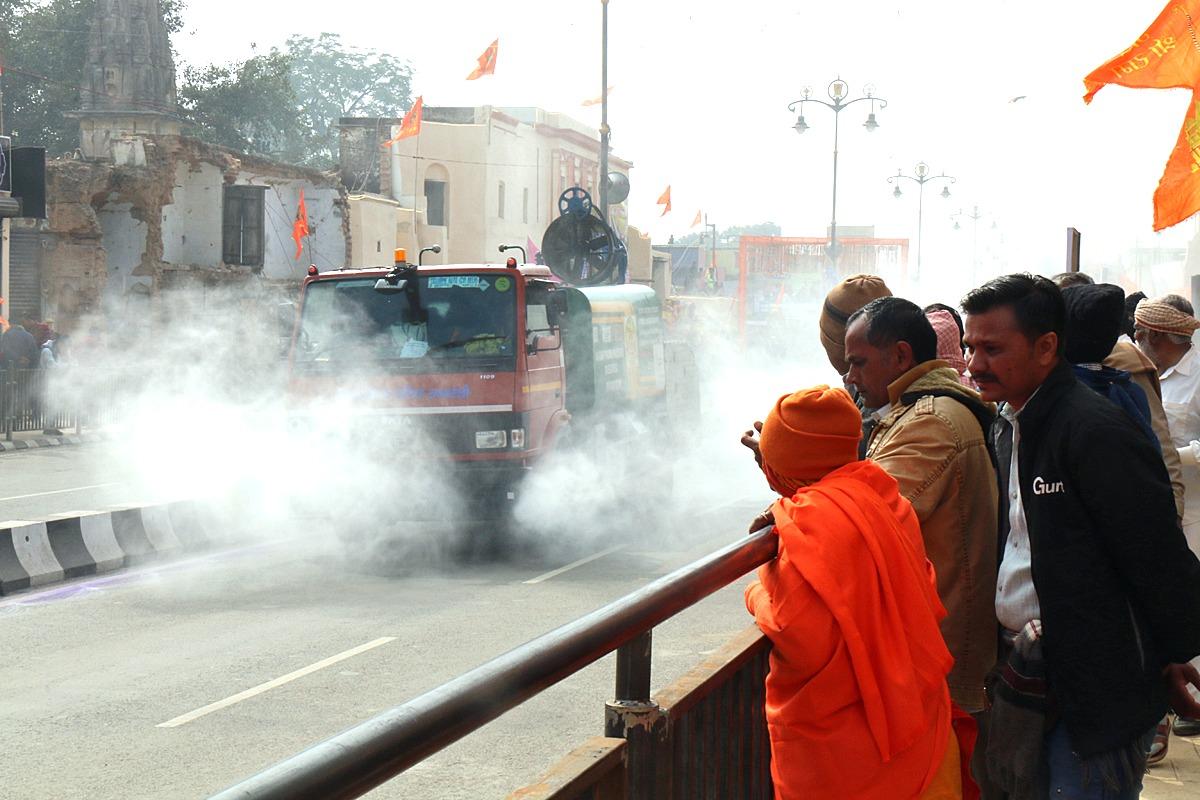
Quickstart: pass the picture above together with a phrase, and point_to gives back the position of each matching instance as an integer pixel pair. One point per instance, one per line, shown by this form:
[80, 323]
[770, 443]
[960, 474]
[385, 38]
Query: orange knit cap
[807, 435]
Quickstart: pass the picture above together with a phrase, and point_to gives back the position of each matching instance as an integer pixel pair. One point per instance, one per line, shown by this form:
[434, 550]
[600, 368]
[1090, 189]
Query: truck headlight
[491, 440]
[517, 437]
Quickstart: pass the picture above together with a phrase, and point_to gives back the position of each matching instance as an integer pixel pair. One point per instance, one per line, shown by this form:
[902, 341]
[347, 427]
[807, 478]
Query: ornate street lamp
[921, 177]
[837, 90]
[974, 215]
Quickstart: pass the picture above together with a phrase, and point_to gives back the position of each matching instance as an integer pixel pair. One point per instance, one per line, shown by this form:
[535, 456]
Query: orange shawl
[857, 703]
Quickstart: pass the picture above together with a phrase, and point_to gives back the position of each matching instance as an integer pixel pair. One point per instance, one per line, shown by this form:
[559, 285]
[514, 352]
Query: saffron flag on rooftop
[487, 62]
[595, 101]
[664, 200]
[300, 226]
[411, 124]
[1166, 56]
[696, 221]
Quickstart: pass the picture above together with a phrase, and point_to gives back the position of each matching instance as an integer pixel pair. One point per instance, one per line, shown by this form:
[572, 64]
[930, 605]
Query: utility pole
[6, 223]
[604, 132]
[711, 282]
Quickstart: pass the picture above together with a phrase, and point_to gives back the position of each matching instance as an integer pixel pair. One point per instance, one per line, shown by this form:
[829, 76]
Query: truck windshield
[465, 316]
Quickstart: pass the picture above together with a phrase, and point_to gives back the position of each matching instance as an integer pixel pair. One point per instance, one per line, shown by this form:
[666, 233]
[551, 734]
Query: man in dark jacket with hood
[1094, 317]
[1097, 588]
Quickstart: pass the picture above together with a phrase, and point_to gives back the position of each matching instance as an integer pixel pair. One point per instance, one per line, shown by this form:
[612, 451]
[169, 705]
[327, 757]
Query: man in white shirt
[1163, 329]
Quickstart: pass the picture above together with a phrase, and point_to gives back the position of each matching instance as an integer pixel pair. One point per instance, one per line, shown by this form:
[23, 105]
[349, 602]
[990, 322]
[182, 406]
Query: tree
[732, 232]
[252, 106]
[44, 44]
[333, 80]
[249, 107]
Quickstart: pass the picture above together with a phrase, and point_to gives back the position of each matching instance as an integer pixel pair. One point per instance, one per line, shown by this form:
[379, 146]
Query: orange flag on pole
[664, 199]
[696, 221]
[595, 101]
[300, 226]
[487, 62]
[411, 124]
[1166, 56]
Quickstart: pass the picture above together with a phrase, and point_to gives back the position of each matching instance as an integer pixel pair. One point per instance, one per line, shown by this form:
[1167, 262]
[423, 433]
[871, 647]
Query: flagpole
[604, 110]
[416, 166]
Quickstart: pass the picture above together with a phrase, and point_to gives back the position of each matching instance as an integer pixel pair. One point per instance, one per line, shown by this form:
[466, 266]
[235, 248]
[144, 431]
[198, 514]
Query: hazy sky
[701, 92]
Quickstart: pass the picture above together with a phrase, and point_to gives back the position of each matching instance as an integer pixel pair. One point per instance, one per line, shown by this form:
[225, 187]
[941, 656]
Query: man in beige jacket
[932, 438]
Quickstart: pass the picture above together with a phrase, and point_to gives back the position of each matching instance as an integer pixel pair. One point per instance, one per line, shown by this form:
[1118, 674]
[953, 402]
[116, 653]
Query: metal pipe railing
[361, 758]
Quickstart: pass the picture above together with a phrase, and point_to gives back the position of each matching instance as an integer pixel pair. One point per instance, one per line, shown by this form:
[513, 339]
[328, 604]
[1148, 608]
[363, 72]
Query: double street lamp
[921, 178]
[837, 90]
[974, 215]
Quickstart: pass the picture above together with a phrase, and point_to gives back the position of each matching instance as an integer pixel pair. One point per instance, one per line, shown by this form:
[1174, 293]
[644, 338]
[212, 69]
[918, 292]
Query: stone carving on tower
[128, 85]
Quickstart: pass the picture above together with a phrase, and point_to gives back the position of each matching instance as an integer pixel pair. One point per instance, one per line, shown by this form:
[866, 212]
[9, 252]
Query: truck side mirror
[539, 340]
[556, 305]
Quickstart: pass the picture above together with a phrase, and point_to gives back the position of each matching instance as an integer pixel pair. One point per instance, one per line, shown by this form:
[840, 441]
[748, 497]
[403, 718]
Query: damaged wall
[117, 234]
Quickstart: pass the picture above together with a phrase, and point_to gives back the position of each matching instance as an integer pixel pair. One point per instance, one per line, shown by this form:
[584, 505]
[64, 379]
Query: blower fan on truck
[580, 247]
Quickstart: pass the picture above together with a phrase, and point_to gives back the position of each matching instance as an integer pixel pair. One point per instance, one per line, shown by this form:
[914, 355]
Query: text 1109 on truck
[481, 374]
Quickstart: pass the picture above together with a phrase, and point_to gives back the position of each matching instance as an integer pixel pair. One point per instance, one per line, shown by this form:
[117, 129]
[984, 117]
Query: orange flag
[300, 226]
[595, 101]
[664, 199]
[1166, 56]
[487, 62]
[696, 221]
[411, 124]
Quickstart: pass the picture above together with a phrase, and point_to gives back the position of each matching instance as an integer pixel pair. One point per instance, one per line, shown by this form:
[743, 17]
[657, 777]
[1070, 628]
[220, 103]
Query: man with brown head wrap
[844, 299]
[1163, 329]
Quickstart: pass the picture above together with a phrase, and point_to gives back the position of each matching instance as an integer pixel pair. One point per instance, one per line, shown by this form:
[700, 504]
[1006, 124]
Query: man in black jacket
[1094, 567]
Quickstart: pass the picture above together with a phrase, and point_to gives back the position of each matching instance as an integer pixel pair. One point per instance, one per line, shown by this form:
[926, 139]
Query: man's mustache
[984, 376]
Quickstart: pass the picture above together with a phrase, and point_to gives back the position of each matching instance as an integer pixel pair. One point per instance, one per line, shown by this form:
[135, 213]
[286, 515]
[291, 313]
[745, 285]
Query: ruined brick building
[141, 211]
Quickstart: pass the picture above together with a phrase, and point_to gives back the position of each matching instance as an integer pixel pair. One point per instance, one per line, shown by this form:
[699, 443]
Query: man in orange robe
[857, 701]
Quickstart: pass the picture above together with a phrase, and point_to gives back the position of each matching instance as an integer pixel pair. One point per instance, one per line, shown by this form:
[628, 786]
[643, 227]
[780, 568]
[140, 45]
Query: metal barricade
[356, 761]
[64, 398]
[714, 743]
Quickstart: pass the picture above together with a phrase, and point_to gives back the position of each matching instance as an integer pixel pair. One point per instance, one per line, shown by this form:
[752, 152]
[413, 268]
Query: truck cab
[472, 371]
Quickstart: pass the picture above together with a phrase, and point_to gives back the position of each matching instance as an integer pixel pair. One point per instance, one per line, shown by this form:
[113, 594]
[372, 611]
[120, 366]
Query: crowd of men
[987, 582]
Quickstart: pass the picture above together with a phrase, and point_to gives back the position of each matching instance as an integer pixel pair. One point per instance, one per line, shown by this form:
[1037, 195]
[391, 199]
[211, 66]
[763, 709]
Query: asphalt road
[36, 484]
[109, 686]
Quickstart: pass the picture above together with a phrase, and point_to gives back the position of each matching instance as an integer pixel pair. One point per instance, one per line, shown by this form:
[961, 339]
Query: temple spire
[128, 85]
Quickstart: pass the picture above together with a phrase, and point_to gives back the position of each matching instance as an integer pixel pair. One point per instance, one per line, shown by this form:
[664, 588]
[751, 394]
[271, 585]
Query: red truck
[477, 372]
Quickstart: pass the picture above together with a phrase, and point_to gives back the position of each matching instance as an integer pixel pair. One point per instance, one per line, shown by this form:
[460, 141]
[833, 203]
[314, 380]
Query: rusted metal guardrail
[367, 755]
[714, 743]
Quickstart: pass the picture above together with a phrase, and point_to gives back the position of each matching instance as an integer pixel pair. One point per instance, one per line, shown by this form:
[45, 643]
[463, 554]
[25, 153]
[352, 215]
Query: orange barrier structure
[775, 269]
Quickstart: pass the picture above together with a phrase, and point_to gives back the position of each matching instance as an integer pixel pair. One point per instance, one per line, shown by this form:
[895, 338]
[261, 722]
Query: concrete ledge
[84, 543]
[33, 554]
[27, 441]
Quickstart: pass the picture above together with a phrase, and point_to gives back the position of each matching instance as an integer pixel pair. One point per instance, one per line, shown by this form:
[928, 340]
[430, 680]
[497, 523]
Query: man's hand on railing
[750, 440]
[764, 520]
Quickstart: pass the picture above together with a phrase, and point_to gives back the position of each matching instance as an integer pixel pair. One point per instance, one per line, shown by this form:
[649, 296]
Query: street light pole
[837, 91]
[921, 178]
[604, 132]
[974, 216]
[712, 262]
